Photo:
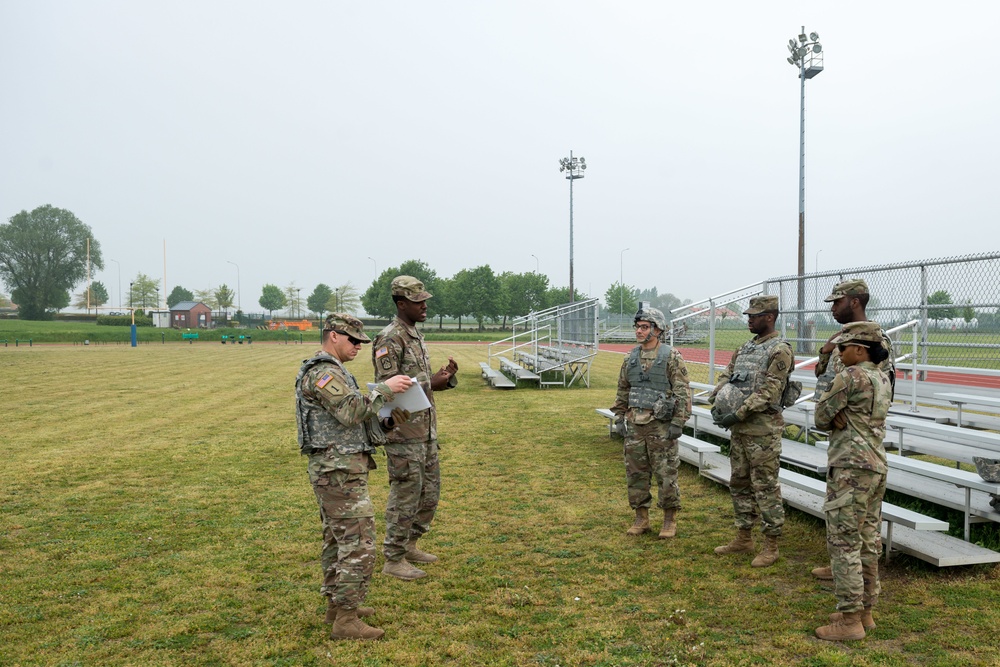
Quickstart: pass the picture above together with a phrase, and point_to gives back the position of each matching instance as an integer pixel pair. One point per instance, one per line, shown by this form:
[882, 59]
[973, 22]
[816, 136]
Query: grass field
[155, 511]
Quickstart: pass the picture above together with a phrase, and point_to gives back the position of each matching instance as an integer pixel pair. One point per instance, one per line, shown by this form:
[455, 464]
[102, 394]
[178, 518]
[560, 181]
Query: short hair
[862, 298]
[396, 298]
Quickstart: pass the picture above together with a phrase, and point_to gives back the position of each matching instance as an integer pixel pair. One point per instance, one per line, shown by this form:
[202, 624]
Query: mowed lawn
[154, 510]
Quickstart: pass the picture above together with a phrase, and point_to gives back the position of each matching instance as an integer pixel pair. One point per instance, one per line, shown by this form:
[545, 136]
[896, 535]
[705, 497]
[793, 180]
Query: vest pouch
[664, 407]
[793, 389]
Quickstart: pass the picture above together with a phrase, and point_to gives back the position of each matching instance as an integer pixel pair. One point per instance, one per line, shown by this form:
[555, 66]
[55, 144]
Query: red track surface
[700, 355]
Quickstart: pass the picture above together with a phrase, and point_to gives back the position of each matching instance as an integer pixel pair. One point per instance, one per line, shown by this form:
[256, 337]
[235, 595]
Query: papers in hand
[413, 399]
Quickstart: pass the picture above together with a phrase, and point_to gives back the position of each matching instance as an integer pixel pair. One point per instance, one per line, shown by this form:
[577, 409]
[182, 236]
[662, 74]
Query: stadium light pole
[807, 55]
[119, 280]
[375, 264]
[574, 168]
[621, 285]
[239, 305]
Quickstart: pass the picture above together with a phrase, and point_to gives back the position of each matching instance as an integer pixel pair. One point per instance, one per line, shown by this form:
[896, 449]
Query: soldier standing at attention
[412, 448]
[751, 389]
[847, 304]
[652, 404]
[337, 425]
[854, 410]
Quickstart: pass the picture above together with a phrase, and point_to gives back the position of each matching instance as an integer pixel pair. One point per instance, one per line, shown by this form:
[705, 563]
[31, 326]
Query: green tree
[271, 299]
[345, 299]
[968, 312]
[621, 300]
[5, 301]
[476, 292]
[293, 300]
[523, 293]
[143, 292]
[177, 295]
[940, 298]
[98, 297]
[318, 299]
[207, 297]
[558, 296]
[377, 299]
[224, 296]
[43, 254]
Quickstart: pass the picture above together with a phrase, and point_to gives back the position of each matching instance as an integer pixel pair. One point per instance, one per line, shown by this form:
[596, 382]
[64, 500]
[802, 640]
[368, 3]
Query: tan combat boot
[349, 626]
[823, 573]
[332, 608]
[415, 555]
[401, 569]
[669, 523]
[741, 544]
[867, 622]
[767, 557]
[641, 524]
[846, 628]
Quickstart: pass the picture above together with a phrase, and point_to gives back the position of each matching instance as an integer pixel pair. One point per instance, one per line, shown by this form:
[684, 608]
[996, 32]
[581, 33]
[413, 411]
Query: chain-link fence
[954, 301]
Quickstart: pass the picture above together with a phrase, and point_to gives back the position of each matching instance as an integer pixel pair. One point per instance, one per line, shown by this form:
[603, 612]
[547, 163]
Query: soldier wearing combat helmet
[853, 410]
[758, 374]
[338, 429]
[652, 404]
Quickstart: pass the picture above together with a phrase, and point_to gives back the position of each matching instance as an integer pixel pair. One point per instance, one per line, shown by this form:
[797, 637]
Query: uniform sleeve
[621, 397]
[347, 405]
[775, 375]
[387, 356]
[680, 387]
[821, 365]
[833, 401]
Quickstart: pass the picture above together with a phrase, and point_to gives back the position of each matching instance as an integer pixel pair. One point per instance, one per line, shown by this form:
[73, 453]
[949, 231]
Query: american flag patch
[325, 380]
[381, 352]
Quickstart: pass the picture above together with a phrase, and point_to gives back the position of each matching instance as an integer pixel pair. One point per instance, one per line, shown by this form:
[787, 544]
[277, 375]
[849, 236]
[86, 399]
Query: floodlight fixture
[814, 36]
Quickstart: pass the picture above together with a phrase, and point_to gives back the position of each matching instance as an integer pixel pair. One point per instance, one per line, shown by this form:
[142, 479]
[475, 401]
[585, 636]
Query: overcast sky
[318, 141]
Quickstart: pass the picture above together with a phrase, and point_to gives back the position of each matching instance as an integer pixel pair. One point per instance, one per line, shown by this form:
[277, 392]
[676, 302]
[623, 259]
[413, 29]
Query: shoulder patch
[381, 352]
[323, 381]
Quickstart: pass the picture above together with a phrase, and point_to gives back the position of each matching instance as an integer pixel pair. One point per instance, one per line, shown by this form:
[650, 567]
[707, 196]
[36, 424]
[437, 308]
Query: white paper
[413, 399]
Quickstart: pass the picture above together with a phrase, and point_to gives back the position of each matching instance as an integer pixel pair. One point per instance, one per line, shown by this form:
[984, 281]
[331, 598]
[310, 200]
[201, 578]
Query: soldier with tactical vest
[854, 411]
[338, 428]
[652, 404]
[748, 399]
[848, 301]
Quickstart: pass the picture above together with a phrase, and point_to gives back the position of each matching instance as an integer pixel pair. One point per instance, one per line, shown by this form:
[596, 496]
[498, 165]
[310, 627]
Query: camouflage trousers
[853, 535]
[753, 482]
[649, 455]
[414, 491]
[348, 556]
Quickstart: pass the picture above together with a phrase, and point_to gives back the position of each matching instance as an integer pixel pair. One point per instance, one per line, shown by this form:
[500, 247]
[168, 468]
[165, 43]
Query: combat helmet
[653, 316]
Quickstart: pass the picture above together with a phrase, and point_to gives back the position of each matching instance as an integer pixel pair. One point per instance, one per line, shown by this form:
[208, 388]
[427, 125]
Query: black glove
[674, 431]
[727, 420]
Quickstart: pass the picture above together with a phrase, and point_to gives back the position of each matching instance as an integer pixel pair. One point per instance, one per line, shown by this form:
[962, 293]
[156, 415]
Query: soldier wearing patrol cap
[853, 410]
[338, 429]
[756, 376]
[847, 300]
[412, 448]
[652, 404]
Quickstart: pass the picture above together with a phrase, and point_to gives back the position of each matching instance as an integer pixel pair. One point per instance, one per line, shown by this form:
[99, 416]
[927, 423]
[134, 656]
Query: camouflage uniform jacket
[863, 393]
[757, 415]
[399, 349]
[331, 413]
[829, 365]
[677, 378]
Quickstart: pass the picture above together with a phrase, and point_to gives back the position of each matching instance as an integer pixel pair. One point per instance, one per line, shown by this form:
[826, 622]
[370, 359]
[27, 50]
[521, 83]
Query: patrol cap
[762, 304]
[859, 332]
[346, 324]
[409, 288]
[855, 287]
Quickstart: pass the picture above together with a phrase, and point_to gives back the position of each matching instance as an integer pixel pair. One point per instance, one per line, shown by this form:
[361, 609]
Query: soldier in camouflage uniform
[336, 426]
[847, 304]
[412, 448]
[854, 411]
[652, 404]
[760, 371]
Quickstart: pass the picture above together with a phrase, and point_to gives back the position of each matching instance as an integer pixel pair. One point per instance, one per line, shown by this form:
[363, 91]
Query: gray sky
[299, 139]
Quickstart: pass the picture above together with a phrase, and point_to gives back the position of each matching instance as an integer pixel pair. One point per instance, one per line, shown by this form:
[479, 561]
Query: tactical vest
[318, 429]
[835, 365]
[647, 386]
[751, 362]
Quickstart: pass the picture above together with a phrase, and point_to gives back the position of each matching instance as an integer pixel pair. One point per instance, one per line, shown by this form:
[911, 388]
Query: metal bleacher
[552, 347]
